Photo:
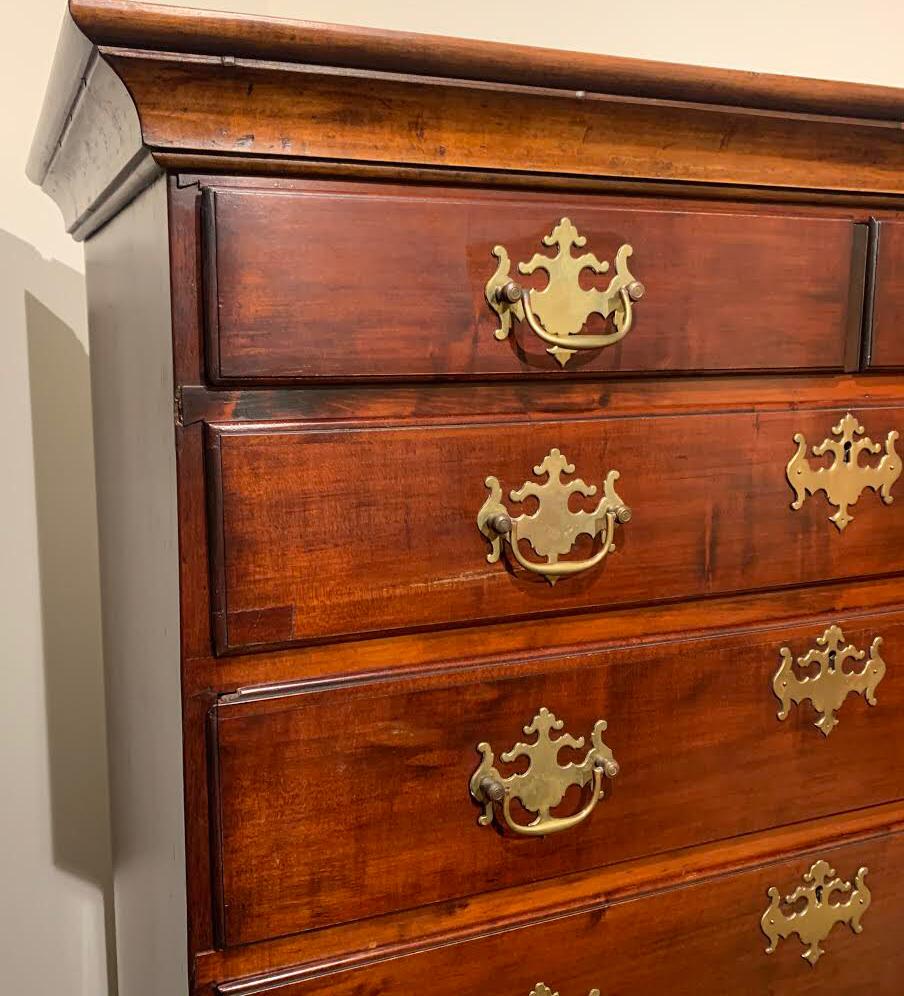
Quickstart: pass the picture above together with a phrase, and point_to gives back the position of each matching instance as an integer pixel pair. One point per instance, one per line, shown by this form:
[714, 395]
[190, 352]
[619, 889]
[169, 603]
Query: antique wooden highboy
[501, 516]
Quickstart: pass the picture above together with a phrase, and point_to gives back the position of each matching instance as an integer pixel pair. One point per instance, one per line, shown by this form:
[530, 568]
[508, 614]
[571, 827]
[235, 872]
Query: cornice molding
[154, 27]
[136, 85]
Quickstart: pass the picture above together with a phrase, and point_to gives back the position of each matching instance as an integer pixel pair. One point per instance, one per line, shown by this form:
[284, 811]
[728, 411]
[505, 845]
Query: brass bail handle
[507, 527]
[512, 292]
[541, 989]
[543, 786]
[558, 313]
[493, 789]
[553, 528]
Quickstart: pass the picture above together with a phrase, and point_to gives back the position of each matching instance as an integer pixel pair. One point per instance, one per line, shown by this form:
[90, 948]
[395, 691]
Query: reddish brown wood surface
[364, 941]
[389, 282]
[280, 171]
[703, 940]
[259, 109]
[542, 397]
[325, 532]
[366, 529]
[353, 802]
[154, 26]
[887, 332]
[388, 654]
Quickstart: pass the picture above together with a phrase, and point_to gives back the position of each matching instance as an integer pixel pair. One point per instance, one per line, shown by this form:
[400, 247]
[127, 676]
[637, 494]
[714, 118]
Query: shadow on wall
[60, 387]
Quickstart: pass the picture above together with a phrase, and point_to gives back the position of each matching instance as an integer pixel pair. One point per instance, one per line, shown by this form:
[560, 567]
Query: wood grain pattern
[793, 133]
[281, 171]
[887, 345]
[361, 942]
[194, 597]
[692, 724]
[125, 23]
[547, 397]
[327, 532]
[264, 110]
[421, 651]
[404, 654]
[704, 940]
[327, 524]
[388, 282]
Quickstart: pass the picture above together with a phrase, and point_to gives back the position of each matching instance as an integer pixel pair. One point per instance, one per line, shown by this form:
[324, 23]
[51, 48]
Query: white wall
[54, 840]
[54, 837]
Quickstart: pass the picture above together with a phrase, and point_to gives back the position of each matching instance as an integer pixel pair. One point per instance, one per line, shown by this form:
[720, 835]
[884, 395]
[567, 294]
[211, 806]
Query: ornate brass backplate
[832, 683]
[814, 922]
[559, 311]
[540, 989]
[845, 478]
[553, 528]
[543, 785]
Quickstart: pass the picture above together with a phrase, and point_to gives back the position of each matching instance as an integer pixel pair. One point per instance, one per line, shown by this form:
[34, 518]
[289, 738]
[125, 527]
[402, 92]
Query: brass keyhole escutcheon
[834, 680]
[823, 907]
[846, 478]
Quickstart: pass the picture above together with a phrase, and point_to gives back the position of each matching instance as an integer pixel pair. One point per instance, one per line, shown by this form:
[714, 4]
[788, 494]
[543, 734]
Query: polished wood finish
[263, 110]
[364, 941]
[389, 514]
[664, 395]
[886, 331]
[704, 939]
[322, 820]
[375, 282]
[253, 87]
[389, 654]
[122, 23]
[342, 643]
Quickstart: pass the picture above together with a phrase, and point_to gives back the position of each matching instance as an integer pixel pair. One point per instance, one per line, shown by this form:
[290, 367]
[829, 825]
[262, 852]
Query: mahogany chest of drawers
[502, 544]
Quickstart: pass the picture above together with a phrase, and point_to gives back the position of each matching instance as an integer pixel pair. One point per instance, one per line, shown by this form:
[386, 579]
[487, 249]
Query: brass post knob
[492, 789]
[609, 767]
[500, 523]
[509, 293]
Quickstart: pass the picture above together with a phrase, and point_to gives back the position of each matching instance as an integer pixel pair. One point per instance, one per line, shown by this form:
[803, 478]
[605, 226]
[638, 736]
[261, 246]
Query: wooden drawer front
[355, 801]
[376, 283]
[887, 346]
[329, 532]
[700, 940]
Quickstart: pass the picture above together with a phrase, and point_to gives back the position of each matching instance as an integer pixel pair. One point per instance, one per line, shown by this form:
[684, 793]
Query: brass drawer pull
[543, 786]
[815, 921]
[541, 989]
[553, 528]
[832, 683]
[559, 311]
[845, 479]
